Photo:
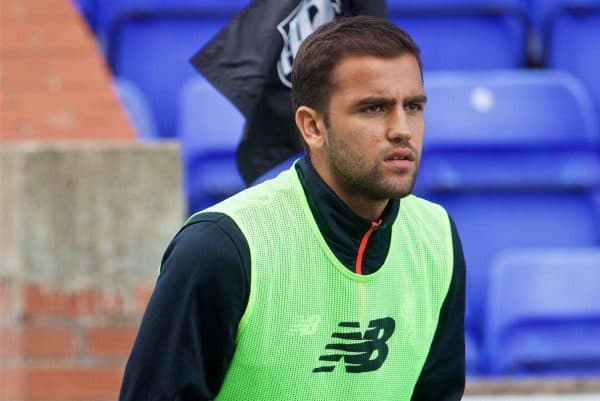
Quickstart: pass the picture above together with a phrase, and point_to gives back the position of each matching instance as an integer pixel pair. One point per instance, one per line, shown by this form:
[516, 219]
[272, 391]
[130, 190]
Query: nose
[398, 128]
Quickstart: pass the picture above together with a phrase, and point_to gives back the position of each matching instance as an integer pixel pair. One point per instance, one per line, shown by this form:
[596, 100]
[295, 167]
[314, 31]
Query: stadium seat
[472, 347]
[511, 156]
[465, 34]
[210, 130]
[542, 12]
[150, 42]
[571, 43]
[544, 313]
[137, 108]
[109, 12]
[471, 355]
[531, 117]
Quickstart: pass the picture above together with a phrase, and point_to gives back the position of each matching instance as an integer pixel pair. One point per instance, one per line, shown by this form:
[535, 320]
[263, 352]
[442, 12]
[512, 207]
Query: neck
[365, 206]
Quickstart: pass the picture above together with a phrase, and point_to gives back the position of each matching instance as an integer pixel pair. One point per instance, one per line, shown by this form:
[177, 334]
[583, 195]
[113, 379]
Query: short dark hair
[323, 50]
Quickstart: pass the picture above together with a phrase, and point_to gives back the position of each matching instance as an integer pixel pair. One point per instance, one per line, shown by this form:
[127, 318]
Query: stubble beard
[355, 174]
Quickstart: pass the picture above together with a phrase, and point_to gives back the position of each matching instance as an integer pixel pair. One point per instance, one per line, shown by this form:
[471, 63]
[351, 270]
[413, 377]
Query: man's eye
[374, 108]
[414, 107]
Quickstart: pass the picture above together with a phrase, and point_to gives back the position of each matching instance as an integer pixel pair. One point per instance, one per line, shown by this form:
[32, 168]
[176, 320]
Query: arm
[443, 375]
[187, 336]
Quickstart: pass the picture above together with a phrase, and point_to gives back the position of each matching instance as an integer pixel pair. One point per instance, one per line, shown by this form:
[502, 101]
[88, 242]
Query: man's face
[374, 131]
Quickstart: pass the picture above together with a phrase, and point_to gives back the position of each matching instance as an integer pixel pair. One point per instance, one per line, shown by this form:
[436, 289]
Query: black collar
[341, 227]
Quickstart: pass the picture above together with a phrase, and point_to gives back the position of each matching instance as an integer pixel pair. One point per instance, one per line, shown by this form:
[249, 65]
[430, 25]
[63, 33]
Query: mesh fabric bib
[313, 330]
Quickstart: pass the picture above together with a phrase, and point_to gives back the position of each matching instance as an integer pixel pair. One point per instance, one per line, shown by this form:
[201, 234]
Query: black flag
[250, 61]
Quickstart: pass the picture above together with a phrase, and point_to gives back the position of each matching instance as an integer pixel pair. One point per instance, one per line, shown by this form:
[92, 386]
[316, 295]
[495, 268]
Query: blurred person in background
[331, 281]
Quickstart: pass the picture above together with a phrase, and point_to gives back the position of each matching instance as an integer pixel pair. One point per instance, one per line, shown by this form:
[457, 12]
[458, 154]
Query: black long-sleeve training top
[186, 340]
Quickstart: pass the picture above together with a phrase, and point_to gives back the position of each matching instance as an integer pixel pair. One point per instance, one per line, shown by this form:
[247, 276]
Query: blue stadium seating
[512, 157]
[541, 122]
[472, 354]
[137, 108]
[107, 13]
[150, 42]
[210, 130]
[465, 34]
[572, 44]
[543, 11]
[472, 346]
[544, 312]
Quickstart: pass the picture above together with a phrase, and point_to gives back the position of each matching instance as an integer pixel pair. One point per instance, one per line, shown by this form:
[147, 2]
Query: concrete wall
[83, 227]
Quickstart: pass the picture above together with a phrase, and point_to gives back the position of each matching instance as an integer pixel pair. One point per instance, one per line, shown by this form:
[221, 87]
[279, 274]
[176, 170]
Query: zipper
[363, 245]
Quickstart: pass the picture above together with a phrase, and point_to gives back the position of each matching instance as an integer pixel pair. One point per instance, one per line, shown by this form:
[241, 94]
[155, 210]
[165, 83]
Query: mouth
[400, 158]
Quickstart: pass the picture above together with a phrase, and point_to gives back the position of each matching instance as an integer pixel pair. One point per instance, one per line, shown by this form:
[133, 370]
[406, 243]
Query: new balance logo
[305, 325]
[361, 353]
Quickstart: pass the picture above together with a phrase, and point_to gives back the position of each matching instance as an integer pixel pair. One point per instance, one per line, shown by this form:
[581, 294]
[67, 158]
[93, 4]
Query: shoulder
[437, 211]
[414, 202]
[265, 197]
[209, 245]
[422, 211]
[429, 224]
[210, 222]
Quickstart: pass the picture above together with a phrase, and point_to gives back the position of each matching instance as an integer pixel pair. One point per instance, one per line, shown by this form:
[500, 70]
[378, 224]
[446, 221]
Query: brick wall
[53, 78]
[65, 345]
[77, 251]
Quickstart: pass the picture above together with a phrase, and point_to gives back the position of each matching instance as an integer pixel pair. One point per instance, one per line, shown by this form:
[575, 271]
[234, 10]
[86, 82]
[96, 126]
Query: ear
[311, 126]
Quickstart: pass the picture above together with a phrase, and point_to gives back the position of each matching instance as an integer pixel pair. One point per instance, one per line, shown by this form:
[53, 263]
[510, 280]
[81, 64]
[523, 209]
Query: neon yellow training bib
[313, 330]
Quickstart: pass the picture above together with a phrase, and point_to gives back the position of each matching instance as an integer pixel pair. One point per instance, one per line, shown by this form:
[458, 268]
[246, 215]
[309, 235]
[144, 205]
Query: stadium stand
[466, 34]
[472, 346]
[210, 129]
[137, 108]
[513, 153]
[544, 312]
[542, 12]
[471, 354]
[150, 43]
[511, 156]
[571, 43]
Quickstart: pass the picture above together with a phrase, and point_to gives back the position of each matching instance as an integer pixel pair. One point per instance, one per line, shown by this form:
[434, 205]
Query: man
[331, 281]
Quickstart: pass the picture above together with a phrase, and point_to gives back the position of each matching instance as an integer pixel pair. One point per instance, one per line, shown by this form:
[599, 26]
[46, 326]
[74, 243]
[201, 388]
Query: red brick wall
[65, 346]
[53, 79]
[58, 345]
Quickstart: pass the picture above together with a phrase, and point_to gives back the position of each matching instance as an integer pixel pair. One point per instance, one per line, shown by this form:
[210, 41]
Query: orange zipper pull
[363, 245]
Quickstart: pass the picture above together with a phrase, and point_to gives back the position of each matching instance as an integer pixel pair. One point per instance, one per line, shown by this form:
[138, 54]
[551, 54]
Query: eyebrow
[370, 100]
[416, 99]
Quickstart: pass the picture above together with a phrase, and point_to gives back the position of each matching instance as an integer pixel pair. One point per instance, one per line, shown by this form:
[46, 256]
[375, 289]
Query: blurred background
[512, 150]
